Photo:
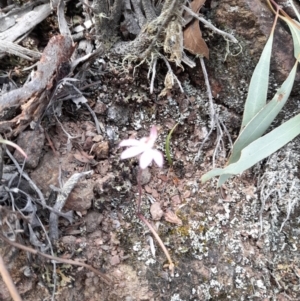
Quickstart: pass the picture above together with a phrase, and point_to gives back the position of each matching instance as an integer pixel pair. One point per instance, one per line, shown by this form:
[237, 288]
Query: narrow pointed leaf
[261, 122]
[167, 146]
[296, 36]
[261, 148]
[258, 88]
[257, 95]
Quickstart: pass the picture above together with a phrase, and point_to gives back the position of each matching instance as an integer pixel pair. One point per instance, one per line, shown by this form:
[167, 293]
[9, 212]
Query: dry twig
[209, 25]
[105, 278]
[60, 202]
[8, 281]
[25, 24]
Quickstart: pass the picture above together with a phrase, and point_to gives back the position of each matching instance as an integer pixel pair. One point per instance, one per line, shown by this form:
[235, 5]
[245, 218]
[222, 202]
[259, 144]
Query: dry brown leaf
[192, 36]
[171, 217]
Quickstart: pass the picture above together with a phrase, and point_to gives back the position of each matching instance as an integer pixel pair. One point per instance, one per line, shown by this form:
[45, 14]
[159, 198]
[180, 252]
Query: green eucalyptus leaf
[296, 36]
[260, 148]
[257, 95]
[262, 120]
[258, 88]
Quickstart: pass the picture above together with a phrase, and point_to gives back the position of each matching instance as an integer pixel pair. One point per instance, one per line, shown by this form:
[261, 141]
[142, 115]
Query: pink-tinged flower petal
[130, 142]
[158, 157]
[153, 133]
[131, 152]
[143, 147]
[146, 158]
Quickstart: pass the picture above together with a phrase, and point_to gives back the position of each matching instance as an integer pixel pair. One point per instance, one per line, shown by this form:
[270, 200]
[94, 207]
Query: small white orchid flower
[144, 148]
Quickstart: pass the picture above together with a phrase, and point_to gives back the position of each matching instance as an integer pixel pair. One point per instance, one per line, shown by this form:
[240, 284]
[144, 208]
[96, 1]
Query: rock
[102, 185]
[80, 199]
[69, 239]
[46, 173]
[109, 187]
[32, 143]
[101, 150]
[118, 115]
[100, 108]
[253, 21]
[156, 211]
[92, 221]
[114, 260]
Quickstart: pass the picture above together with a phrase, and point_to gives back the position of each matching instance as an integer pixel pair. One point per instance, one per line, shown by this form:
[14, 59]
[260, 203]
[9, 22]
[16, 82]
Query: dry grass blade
[192, 36]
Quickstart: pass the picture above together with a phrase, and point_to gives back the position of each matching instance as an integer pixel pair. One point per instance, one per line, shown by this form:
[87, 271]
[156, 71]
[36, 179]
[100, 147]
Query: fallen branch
[58, 51]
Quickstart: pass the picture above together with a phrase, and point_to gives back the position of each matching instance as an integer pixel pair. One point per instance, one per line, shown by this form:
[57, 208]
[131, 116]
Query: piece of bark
[56, 54]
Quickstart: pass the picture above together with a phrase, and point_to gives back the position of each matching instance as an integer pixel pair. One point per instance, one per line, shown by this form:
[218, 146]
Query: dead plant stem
[212, 112]
[140, 190]
[9, 282]
[153, 68]
[145, 221]
[26, 177]
[171, 264]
